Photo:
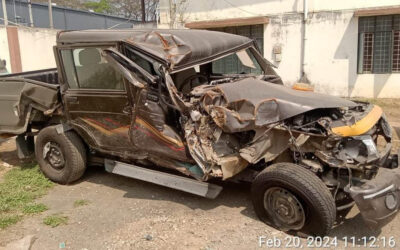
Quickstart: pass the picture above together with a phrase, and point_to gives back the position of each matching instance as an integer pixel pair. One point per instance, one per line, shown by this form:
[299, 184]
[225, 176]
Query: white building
[343, 47]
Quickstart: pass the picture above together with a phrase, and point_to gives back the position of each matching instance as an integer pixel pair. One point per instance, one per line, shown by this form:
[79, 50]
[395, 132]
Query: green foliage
[8, 220]
[103, 6]
[19, 188]
[55, 220]
[34, 208]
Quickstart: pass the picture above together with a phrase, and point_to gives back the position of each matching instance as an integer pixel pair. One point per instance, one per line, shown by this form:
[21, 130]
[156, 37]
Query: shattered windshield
[241, 62]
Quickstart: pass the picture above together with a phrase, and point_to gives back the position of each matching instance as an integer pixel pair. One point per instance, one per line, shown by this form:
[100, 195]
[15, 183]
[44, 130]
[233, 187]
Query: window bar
[368, 40]
[396, 51]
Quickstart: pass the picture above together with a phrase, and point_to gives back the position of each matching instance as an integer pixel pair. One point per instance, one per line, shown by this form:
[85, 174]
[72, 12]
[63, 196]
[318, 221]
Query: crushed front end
[363, 167]
[366, 147]
[237, 129]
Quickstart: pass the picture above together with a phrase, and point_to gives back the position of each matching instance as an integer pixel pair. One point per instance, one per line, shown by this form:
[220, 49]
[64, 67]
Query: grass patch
[34, 208]
[20, 186]
[55, 220]
[8, 220]
[79, 203]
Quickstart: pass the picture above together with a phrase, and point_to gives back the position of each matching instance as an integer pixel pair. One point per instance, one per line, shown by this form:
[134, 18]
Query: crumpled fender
[378, 199]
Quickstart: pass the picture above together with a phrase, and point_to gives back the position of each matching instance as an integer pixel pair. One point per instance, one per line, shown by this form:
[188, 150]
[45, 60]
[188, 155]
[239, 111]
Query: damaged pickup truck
[187, 109]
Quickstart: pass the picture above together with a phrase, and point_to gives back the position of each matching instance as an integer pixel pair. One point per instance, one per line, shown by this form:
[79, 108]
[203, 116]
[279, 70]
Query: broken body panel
[230, 126]
[25, 96]
[335, 138]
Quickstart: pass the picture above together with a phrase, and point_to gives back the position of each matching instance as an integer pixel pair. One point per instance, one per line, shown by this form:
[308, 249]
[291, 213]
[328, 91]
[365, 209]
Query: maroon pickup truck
[189, 109]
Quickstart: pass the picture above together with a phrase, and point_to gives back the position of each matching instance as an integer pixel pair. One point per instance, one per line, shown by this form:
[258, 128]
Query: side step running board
[164, 179]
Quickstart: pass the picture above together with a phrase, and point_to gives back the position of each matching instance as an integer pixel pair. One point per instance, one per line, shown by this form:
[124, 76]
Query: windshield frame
[266, 66]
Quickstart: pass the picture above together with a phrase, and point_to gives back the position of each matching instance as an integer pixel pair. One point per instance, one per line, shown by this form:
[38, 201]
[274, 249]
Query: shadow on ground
[233, 195]
[8, 153]
[354, 227]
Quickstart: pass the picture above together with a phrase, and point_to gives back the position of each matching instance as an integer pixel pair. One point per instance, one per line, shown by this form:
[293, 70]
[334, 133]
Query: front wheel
[61, 157]
[292, 199]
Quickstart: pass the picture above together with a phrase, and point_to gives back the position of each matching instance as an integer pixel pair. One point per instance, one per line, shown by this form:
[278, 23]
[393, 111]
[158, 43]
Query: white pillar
[51, 15]
[30, 12]
[4, 12]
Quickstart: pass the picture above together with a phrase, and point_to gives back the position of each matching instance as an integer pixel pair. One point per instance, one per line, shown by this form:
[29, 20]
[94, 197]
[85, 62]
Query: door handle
[72, 99]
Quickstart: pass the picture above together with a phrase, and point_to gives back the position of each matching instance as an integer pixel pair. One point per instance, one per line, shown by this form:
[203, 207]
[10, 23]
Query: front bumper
[379, 199]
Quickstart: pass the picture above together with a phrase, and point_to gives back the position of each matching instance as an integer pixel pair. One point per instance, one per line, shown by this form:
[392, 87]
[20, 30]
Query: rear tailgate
[18, 96]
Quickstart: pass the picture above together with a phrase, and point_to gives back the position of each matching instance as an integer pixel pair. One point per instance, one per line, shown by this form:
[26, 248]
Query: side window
[141, 61]
[85, 68]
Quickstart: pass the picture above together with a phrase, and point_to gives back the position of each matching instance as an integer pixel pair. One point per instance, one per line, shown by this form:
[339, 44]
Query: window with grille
[379, 44]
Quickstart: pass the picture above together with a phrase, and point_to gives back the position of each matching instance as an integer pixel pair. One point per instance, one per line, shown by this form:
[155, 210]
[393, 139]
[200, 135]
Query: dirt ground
[125, 213]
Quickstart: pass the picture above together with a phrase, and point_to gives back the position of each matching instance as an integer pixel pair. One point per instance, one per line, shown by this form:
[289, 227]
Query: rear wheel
[61, 157]
[292, 199]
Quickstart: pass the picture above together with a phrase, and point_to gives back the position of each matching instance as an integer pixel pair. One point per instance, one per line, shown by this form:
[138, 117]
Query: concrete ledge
[378, 11]
[227, 22]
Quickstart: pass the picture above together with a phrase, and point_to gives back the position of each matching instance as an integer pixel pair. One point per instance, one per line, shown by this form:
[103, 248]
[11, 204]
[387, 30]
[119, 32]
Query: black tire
[73, 155]
[309, 198]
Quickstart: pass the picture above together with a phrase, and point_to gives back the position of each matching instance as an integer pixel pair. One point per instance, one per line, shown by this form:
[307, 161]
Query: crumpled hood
[251, 103]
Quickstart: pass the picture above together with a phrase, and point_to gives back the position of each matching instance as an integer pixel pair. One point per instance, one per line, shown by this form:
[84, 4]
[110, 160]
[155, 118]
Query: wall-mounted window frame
[379, 44]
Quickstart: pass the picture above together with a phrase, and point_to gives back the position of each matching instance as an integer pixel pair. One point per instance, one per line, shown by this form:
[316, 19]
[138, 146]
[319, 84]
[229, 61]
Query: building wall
[36, 47]
[332, 62]
[213, 10]
[331, 45]
[330, 55]
[4, 54]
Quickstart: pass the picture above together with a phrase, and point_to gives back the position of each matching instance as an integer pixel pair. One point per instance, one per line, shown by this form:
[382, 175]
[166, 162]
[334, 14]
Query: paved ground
[129, 214]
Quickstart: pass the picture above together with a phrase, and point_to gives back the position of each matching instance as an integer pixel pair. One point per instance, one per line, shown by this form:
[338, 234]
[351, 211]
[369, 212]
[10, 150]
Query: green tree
[103, 6]
[75, 4]
[125, 8]
[132, 9]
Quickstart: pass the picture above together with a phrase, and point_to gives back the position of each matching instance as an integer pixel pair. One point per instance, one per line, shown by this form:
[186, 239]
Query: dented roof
[177, 48]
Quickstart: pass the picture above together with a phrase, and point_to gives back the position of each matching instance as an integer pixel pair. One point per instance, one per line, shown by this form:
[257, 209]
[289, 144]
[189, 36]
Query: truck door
[95, 98]
[151, 131]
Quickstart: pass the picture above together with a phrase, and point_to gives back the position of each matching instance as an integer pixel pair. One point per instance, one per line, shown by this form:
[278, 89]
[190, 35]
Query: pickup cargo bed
[22, 93]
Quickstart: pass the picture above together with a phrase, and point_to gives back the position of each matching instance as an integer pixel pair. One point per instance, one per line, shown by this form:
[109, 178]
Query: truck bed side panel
[18, 97]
